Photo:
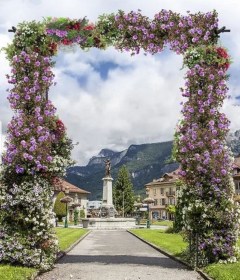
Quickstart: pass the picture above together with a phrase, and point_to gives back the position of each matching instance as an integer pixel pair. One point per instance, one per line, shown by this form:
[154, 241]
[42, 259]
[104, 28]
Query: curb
[199, 271]
[61, 254]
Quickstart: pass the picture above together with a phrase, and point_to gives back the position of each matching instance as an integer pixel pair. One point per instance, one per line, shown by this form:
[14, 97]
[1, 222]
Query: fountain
[107, 219]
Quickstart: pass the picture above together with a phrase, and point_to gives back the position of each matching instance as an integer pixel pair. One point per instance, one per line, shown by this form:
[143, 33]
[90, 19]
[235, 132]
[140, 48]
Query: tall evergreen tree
[123, 195]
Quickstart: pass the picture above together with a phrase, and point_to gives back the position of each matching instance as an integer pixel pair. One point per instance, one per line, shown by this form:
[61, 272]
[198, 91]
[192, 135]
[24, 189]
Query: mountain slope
[144, 162]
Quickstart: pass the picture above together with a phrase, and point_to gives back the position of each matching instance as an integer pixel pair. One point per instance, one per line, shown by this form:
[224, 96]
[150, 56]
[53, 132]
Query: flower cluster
[167, 28]
[31, 37]
[30, 239]
[37, 150]
[209, 55]
[206, 203]
[66, 31]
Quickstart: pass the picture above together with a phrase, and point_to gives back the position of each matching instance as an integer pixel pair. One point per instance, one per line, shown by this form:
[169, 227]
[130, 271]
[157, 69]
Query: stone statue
[107, 167]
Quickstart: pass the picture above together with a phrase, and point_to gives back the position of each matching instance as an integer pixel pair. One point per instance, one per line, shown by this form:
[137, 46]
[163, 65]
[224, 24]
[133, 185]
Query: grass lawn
[174, 244]
[170, 242]
[8, 272]
[66, 237]
[163, 223]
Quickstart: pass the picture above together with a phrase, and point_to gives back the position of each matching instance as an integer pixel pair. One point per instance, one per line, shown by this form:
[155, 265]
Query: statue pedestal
[107, 209]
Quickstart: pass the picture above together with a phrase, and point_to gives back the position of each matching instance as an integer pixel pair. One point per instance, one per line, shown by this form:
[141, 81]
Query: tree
[123, 195]
[59, 207]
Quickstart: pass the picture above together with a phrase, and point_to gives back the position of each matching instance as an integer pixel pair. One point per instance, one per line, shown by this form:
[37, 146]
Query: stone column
[107, 191]
[107, 209]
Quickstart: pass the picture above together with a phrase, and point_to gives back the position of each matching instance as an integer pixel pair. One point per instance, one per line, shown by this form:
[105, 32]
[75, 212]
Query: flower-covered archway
[38, 149]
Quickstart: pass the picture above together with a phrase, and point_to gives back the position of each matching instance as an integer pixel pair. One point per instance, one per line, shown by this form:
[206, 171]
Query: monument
[107, 213]
[107, 209]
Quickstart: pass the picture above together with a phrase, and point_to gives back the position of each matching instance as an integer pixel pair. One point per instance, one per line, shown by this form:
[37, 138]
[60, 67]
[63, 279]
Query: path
[116, 255]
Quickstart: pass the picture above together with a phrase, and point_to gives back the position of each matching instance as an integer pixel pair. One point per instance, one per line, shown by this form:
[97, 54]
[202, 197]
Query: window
[162, 191]
[163, 202]
[155, 191]
[237, 186]
[155, 202]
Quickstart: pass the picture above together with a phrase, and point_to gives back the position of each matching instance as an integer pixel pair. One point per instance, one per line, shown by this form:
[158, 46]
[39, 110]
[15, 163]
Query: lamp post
[123, 202]
[148, 201]
[66, 199]
[137, 206]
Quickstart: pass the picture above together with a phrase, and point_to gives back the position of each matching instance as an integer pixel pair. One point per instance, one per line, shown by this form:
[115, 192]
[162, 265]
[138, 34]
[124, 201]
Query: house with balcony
[164, 192]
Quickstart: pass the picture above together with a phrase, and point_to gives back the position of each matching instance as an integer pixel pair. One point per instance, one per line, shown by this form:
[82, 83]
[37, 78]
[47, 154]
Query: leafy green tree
[59, 207]
[123, 195]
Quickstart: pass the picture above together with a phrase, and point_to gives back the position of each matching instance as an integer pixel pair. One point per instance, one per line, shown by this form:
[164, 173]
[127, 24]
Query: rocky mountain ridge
[145, 162]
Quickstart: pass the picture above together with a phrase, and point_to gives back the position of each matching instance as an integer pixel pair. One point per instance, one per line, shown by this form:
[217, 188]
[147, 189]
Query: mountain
[145, 162]
[234, 142]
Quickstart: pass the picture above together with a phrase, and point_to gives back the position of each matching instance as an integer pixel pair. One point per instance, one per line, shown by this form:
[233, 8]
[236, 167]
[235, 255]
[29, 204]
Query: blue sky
[109, 99]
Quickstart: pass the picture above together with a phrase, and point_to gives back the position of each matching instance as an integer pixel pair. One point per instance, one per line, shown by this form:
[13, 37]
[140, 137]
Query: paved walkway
[116, 255]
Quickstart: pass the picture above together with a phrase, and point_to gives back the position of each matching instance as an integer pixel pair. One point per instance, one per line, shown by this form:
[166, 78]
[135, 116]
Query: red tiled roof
[61, 185]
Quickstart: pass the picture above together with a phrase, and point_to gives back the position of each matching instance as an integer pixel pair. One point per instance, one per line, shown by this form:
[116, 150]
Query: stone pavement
[116, 255]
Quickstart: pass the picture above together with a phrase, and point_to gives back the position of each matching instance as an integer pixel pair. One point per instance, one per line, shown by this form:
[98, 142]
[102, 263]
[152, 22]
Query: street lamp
[66, 199]
[148, 201]
[137, 204]
[123, 202]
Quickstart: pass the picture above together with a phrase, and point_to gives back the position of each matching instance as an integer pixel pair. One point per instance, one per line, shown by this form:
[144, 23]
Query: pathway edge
[61, 254]
[199, 271]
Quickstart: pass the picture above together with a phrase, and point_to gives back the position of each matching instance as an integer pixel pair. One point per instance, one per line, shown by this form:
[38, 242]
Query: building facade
[236, 178]
[79, 196]
[164, 193]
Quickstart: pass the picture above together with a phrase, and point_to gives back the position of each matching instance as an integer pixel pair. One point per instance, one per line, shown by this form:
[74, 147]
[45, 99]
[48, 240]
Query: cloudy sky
[109, 99]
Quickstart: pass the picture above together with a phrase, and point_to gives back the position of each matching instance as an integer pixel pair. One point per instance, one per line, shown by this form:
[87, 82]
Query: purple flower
[19, 169]
[135, 37]
[224, 172]
[49, 158]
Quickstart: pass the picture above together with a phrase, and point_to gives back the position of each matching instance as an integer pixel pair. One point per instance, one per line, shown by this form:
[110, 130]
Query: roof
[166, 178]
[236, 163]
[60, 185]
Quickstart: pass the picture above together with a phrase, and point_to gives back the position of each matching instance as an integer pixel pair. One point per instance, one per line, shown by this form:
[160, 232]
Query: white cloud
[139, 101]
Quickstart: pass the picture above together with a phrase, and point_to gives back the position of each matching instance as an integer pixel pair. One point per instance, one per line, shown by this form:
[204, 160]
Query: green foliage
[171, 209]
[76, 217]
[59, 207]
[106, 29]
[123, 194]
[82, 214]
[30, 36]
[209, 55]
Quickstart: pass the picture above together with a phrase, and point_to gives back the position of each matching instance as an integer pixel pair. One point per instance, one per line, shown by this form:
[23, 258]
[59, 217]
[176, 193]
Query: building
[164, 193]
[78, 195]
[236, 178]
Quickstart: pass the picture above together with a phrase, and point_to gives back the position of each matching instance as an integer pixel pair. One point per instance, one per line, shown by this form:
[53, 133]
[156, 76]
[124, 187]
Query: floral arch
[38, 149]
